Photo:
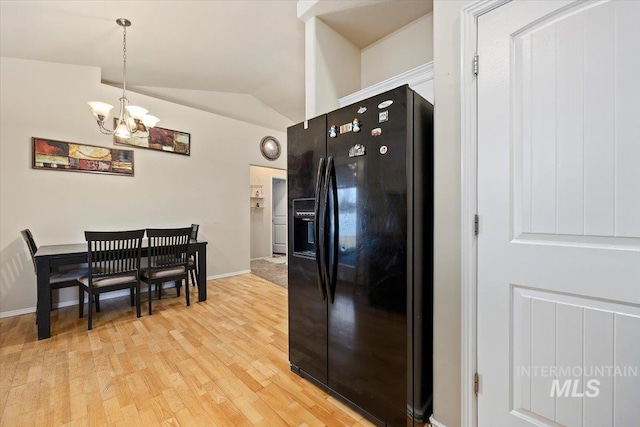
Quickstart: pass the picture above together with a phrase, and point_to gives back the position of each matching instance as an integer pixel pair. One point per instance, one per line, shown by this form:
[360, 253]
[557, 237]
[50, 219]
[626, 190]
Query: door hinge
[475, 64]
[476, 224]
[476, 383]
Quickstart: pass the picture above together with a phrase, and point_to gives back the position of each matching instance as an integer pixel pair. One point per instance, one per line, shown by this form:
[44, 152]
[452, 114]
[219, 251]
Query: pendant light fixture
[131, 119]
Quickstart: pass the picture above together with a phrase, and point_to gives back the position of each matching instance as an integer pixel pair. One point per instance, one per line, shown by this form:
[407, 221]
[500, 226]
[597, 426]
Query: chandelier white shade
[131, 118]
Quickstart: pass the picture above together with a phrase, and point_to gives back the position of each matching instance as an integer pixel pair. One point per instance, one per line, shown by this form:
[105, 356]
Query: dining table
[48, 257]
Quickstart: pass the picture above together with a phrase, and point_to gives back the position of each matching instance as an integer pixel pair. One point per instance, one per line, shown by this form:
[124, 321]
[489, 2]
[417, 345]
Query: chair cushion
[108, 281]
[67, 276]
[166, 272]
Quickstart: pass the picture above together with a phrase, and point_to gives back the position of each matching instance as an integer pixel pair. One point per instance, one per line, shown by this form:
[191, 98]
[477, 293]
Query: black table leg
[202, 272]
[43, 311]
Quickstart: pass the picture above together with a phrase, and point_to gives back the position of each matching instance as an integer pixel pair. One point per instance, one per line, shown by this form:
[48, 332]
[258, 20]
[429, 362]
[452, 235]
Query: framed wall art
[70, 156]
[160, 139]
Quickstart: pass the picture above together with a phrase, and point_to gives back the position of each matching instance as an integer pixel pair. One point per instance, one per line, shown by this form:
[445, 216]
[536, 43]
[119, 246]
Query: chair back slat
[194, 231]
[168, 247]
[31, 244]
[114, 263]
[114, 252]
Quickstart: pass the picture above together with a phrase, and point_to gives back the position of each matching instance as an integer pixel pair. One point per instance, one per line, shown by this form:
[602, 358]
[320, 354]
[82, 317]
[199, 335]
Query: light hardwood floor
[222, 362]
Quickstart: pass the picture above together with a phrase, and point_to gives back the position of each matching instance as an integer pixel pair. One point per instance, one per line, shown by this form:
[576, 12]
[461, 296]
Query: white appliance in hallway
[279, 215]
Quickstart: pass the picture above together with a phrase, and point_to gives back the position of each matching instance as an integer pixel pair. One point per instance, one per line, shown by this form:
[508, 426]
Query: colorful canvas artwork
[160, 139]
[69, 156]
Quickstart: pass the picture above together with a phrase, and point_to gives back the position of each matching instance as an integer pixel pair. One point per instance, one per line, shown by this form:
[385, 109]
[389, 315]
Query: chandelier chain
[124, 60]
[131, 118]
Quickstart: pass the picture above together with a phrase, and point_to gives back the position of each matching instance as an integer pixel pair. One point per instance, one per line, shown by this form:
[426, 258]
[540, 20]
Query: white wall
[210, 187]
[335, 67]
[447, 273]
[400, 51]
[332, 68]
[261, 218]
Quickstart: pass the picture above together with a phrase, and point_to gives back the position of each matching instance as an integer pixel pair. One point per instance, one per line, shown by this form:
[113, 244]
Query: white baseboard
[435, 423]
[104, 296]
[234, 273]
[62, 304]
[20, 312]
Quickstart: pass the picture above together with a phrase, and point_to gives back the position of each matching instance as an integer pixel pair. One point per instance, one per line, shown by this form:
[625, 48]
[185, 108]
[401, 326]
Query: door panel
[307, 308]
[279, 216]
[559, 205]
[367, 321]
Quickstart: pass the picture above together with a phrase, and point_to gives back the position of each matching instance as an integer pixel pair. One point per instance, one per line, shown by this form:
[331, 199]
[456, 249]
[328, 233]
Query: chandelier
[131, 119]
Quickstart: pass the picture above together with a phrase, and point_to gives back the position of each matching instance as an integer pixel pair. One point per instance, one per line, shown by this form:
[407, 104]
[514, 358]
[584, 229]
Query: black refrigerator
[360, 235]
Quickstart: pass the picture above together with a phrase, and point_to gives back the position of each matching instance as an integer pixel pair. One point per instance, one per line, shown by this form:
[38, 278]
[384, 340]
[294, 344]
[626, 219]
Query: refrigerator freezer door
[307, 307]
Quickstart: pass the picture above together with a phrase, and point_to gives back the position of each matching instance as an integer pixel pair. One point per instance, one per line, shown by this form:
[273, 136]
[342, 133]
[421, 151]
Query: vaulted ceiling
[243, 59]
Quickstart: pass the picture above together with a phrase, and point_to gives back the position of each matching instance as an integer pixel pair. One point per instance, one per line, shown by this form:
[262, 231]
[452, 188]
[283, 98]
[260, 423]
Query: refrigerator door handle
[336, 234]
[330, 251]
[318, 236]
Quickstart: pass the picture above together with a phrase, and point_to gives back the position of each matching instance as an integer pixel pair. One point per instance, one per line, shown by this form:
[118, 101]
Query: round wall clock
[270, 148]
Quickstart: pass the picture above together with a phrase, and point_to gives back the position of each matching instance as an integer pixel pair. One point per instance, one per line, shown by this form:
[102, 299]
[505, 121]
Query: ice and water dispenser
[303, 228]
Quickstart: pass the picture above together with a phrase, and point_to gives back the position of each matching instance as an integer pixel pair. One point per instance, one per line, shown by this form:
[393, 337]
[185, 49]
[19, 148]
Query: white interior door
[559, 206]
[279, 216]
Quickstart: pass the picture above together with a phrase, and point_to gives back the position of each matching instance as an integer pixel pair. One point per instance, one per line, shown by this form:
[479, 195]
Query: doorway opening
[268, 216]
[268, 223]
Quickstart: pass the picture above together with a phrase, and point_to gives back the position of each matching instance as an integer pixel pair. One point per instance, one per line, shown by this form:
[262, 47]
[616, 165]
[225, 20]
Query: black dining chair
[57, 279]
[167, 260]
[114, 264]
[193, 261]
